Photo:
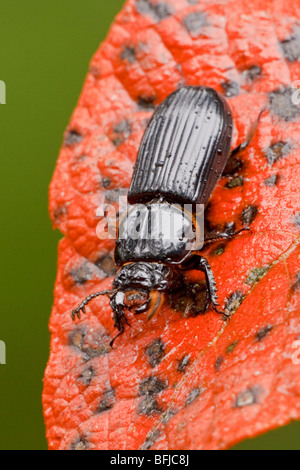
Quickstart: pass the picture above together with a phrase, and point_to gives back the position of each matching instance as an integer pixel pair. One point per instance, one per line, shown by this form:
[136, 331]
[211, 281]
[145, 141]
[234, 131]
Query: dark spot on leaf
[194, 22]
[190, 300]
[230, 89]
[128, 54]
[80, 444]
[233, 166]
[252, 73]
[107, 265]
[231, 347]
[261, 334]
[234, 301]
[235, 182]
[106, 182]
[219, 250]
[272, 180]
[72, 138]
[82, 274]
[77, 338]
[123, 127]
[183, 363]
[249, 214]
[118, 141]
[92, 344]
[122, 131]
[95, 71]
[297, 220]
[151, 386]
[107, 401]
[146, 102]
[149, 406]
[296, 286]
[58, 213]
[218, 363]
[101, 349]
[113, 195]
[85, 272]
[291, 48]
[158, 11]
[277, 151]
[193, 395]
[150, 439]
[155, 352]
[86, 376]
[256, 275]
[281, 104]
[247, 398]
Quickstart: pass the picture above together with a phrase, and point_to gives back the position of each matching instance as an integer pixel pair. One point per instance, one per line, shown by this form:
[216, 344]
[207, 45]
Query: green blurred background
[45, 48]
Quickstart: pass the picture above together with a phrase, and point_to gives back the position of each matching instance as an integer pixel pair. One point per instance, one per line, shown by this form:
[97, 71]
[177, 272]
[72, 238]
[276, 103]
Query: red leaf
[182, 382]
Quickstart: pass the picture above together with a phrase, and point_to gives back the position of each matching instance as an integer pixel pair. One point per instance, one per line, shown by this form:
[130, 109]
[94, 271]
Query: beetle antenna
[81, 307]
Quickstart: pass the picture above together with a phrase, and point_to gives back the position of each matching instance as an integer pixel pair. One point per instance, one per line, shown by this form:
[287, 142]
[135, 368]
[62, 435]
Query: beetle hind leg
[204, 266]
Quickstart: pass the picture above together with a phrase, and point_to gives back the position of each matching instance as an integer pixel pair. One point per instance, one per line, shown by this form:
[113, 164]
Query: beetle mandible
[182, 155]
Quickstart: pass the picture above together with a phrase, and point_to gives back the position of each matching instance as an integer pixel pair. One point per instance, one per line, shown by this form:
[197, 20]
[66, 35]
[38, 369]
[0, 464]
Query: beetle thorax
[156, 231]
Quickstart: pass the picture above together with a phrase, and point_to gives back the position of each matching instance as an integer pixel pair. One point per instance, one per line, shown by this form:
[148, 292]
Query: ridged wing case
[184, 149]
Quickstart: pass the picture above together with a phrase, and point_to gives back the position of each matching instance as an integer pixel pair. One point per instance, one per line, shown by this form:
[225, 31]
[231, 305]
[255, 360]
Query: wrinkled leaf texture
[180, 381]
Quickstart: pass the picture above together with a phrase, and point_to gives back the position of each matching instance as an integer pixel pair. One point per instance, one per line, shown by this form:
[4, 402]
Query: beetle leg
[81, 307]
[119, 317]
[240, 148]
[204, 266]
[215, 236]
[122, 328]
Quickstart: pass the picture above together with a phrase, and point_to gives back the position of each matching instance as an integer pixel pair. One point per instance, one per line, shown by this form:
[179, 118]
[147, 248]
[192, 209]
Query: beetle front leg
[119, 317]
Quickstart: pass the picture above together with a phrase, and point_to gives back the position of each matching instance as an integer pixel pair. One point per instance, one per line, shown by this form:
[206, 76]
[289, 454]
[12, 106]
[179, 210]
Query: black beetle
[182, 155]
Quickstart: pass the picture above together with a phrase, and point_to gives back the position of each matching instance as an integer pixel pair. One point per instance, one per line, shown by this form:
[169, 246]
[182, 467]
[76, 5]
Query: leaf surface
[182, 381]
